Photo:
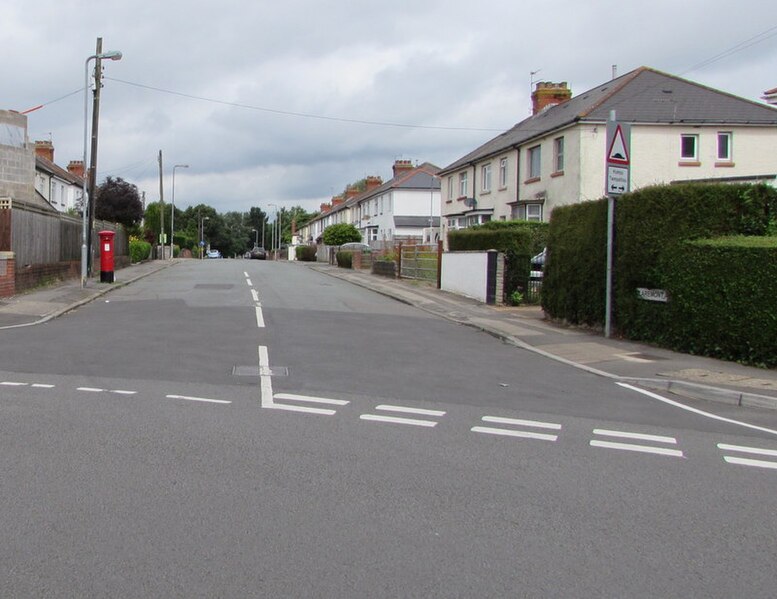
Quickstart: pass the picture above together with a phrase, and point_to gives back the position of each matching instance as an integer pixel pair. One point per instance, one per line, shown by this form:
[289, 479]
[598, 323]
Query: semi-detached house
[680, 131]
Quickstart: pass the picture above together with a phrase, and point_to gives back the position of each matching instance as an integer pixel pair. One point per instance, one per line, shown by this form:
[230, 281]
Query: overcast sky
[288, 102]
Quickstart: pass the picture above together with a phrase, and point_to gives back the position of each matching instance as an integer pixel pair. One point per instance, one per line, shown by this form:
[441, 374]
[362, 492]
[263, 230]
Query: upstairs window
[558, 154]
[451, 187]
[689, 147]
[485, 177]
[463, 184]
[503, 173]
[534, 162]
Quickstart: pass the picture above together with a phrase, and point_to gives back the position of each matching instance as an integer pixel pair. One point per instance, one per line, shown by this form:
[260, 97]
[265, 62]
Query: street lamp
[172, 209]
[202, 236]
[273, 237]
[112, 55]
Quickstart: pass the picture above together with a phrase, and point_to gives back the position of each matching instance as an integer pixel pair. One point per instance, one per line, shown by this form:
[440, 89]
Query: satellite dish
[470, 202]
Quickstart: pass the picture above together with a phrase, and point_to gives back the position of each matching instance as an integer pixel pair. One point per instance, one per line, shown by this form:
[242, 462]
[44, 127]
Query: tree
[118, 201]
[341, 233]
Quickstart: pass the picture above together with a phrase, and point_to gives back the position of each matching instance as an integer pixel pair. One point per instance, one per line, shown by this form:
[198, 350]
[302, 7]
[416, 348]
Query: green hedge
[305, 253]
[722, 299]
[344, 259]
[139, 250]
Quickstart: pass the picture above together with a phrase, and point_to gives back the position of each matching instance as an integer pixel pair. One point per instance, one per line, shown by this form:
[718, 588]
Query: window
[689, 147]
[372, 233]
[463, 184]
[558, 154]
[534, 212]
[534, 162]
[503, 173]
[485, 176]
[724, 146]
[450, 187]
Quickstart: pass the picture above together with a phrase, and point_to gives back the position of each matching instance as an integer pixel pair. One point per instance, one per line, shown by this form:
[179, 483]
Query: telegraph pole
[161, 209]
[92, 173]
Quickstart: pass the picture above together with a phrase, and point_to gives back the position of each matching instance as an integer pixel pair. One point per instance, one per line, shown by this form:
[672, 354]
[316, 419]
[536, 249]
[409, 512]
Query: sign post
[618, 182]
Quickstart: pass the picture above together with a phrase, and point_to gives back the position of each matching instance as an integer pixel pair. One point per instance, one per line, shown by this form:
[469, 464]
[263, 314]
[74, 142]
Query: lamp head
[110, 55]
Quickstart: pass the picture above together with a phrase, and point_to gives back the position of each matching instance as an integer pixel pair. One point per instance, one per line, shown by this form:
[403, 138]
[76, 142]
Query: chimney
[325, 208]
[337, 200]
[402, 166]
[549, 94]
[76, 167]
[373, 183]
[351, 192]
[45, 149]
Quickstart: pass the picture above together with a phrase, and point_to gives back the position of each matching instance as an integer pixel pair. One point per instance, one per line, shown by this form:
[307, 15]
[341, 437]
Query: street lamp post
[172, 209]
[112, 55]
[202, 236]
[272, 231]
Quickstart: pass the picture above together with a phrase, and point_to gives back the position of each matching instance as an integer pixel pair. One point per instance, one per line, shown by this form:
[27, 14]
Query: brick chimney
[402, 166]
[325, 208]
[351, 192]
[45, 149]
[373, 183]
[76, 167]
[336, 201]
[549, 94]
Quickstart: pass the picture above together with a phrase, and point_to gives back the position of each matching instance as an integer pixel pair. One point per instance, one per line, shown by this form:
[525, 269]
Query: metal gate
[419, 262]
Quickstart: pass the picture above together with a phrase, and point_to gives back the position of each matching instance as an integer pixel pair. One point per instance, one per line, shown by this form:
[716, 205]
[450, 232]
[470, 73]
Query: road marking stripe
[513, 433]
[265, 381]
[122, 392]
[91, 389]
[418, 411]
[292, 397]
[246, 274]
[395, 420]
[13, 384]
[695, 410]
[745, 449]
[259, 318]
[321, 411]
[255, 295]
[640, 448]
[640, 436]
[42, 386]
[748, 462]
[533, 423]
[203, 399]
[250, 284]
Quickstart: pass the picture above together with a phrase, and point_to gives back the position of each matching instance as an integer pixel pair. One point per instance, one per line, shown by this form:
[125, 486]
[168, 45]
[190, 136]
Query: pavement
[525, 327]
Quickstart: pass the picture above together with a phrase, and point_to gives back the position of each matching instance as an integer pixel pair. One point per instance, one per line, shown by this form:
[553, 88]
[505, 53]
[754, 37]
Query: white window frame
[532, 214]
[450, 187]
[503, 173]
[485, 178]
[728, 136]
[534, 159]
[558, 154]
[463, 184]
[692, 157]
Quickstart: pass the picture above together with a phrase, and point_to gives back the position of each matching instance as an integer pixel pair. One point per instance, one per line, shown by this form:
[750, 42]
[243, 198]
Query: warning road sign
[618, 152]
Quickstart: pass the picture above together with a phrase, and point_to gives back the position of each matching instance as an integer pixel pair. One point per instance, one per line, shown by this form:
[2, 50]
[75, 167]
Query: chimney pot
[549, 94]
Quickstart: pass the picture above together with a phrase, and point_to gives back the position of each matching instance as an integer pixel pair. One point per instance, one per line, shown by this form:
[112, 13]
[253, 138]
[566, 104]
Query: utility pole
[92, 173]
[161, 209]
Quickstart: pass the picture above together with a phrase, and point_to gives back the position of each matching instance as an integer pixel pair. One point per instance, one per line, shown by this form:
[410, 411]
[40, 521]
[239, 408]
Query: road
[253, 429]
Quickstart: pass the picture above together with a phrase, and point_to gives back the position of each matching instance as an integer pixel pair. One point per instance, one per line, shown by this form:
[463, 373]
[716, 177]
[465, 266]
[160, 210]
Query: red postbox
[106, 256]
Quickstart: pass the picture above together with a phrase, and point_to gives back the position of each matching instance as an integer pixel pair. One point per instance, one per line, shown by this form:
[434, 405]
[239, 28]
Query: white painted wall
[465, 273]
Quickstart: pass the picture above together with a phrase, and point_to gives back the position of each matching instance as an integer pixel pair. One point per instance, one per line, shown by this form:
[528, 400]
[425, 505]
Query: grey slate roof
[644, 96]
[45, 164]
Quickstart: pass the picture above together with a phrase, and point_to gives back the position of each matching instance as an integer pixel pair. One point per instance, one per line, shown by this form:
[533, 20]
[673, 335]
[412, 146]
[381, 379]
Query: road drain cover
[254, 371]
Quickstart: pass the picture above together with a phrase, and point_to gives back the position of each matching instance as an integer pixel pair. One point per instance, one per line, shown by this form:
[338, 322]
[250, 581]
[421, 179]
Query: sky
[286, 103]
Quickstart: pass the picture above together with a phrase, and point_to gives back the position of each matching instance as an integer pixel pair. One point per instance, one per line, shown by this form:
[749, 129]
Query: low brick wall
[35, 275]
[7, 274]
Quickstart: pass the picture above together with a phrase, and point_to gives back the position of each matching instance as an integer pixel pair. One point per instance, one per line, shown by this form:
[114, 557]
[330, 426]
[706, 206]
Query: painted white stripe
[255, 295]
[639, 448]
[121, 392]
[513, 433]
[265, 381]
[204, 399]
[292, 397]
[250, 284]
[13, 384]
[91, 389]
[639, 436]
[395, 420]
[745, 449]
[532, 423]
[320, 411]
[42, 386]
[402, 409]
[695, 410]
[259, 318]
[245, 274]
[748, 462]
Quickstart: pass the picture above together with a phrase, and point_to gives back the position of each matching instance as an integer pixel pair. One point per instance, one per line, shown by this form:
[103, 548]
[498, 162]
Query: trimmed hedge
[139, 250]
[305, 253]
[344, 259]
[722, 299]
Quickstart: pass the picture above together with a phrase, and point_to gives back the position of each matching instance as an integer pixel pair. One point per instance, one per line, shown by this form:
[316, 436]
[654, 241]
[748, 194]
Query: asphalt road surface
[235, 428]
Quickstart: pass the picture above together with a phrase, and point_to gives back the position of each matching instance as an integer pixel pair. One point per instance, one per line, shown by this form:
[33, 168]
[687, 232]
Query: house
[404, 208]
[61, 188]
[680, 131]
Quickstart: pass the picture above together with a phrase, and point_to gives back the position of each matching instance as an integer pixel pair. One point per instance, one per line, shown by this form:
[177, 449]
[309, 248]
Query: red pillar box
[106, 256]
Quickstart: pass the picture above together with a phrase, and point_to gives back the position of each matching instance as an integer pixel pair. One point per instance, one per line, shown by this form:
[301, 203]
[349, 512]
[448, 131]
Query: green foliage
[344, 259]
[118, 201]
[516, 298]
[139, 250]
[305, 253]
[341, 233]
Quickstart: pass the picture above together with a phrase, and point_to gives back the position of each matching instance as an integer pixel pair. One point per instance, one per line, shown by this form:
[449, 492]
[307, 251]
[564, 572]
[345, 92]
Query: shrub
[139, 250]
[341, 233]
[344, 259]
[306, 253]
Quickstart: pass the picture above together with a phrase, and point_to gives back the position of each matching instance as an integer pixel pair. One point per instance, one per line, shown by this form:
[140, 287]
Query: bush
[341, 233]
[139, 250]
[344, 259]
[305, 253]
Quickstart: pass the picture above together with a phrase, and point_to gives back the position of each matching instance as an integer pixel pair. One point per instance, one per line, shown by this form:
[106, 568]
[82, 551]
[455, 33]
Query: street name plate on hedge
[653, 295]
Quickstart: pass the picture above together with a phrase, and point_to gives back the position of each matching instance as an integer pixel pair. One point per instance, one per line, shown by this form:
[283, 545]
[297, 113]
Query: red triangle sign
[618, 153]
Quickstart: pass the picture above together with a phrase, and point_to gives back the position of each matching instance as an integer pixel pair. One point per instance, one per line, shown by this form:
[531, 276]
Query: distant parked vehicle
[258, 253]
[213, 254]
[538, 264]
[355, 246]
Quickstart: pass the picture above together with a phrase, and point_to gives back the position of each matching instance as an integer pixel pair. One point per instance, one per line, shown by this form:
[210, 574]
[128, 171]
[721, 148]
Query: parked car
[355, 246]
[258, 254]
[538, 264]
[213, 254]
